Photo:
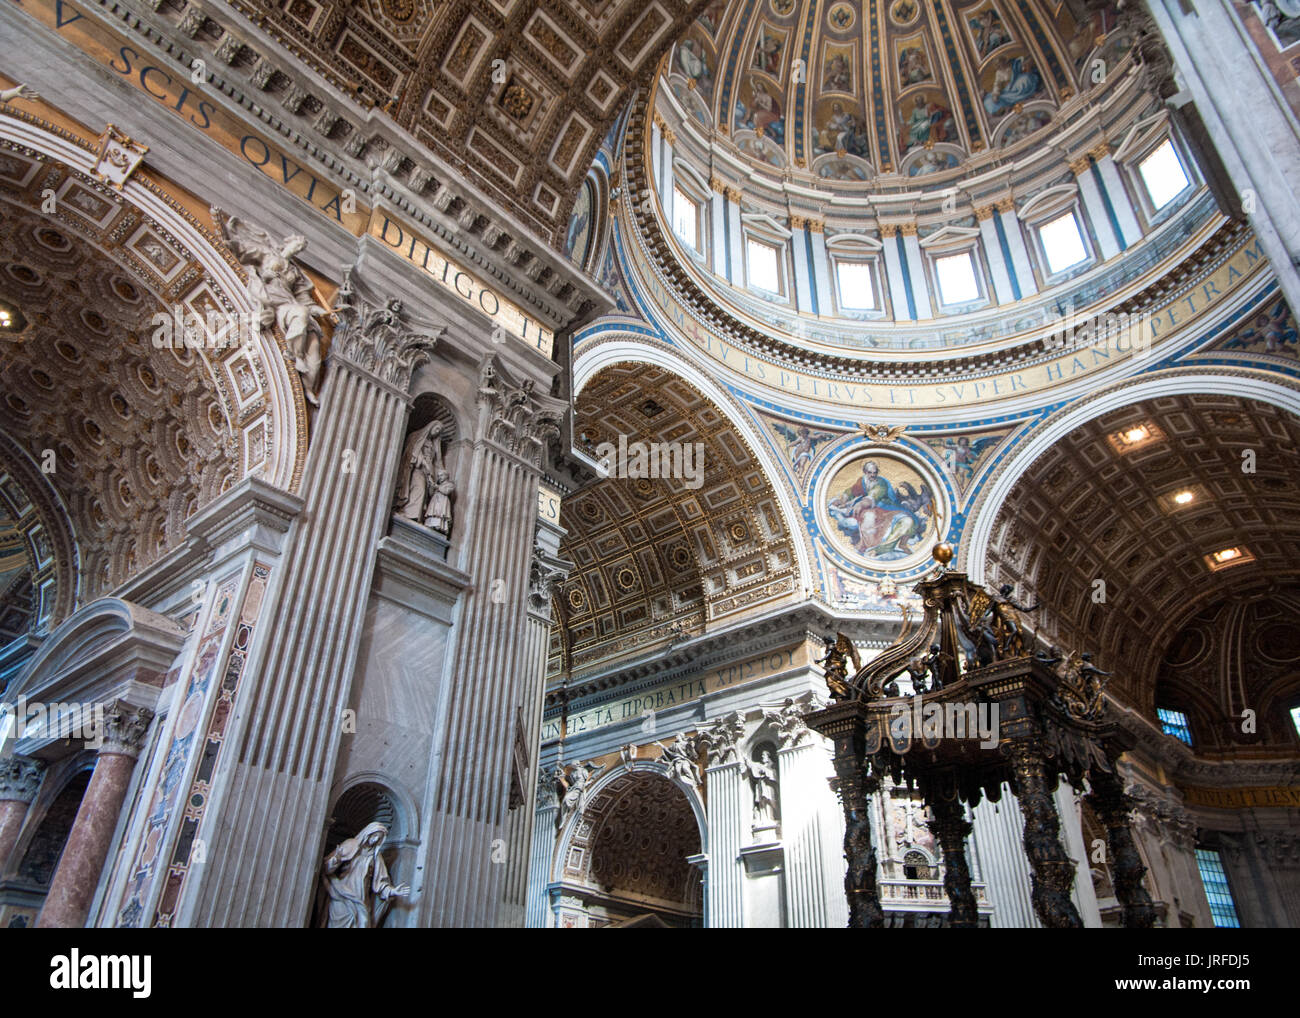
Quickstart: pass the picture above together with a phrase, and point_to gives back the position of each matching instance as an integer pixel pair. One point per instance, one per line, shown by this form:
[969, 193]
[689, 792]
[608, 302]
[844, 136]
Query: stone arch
[663, 559]
[1074, 469]
[178, 425]
[39, 515]
[27, 872]
[983, 513]
[620, 802]
[613, 349]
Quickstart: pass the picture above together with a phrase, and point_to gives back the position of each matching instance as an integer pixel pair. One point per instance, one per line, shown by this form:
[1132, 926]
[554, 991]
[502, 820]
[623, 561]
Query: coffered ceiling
[1095, 530]
[518, 94]
[656, 559]
[132, 438]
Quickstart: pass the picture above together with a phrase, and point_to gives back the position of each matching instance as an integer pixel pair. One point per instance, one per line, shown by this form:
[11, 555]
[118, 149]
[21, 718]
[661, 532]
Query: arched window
[917, 867]
[1175, 723]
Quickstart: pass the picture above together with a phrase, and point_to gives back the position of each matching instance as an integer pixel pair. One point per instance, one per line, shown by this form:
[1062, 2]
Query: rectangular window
[1062, 243]
[1163, 174]
[1215, 880]
[1295, 718]
[854, 282]
[956, 275]
[686, 219]
[764, 266]
[1174, 722]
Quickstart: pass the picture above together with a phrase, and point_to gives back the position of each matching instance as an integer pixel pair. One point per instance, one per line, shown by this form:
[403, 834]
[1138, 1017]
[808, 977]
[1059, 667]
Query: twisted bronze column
[854, 786]
[952, 828]
[1113, 805]
[1053, 871]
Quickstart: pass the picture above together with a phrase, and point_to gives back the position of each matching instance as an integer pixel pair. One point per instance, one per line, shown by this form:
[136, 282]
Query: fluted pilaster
[728, 819]
[265, 829]
[496, 668]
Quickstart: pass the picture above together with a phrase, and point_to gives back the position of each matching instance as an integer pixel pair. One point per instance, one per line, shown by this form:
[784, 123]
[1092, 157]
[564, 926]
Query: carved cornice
[20, 777]
[376, 340]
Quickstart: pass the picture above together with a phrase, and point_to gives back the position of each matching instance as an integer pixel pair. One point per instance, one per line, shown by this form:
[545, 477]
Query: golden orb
[942, 553]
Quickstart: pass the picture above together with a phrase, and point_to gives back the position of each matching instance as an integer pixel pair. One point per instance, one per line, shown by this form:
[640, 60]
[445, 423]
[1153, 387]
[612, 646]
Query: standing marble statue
[424, 489]
[762, 779]
[356, 881]
[281, 292]
[439, 515]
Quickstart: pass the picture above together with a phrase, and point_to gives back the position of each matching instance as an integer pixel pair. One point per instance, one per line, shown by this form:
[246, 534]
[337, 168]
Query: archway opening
[629, 864]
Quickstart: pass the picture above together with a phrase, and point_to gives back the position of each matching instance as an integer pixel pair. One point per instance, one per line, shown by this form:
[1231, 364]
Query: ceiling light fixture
[1183, 497]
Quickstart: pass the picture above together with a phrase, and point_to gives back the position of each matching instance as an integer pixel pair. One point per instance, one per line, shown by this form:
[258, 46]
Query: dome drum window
[1058, 227]
[1160, 174]
[767, 258]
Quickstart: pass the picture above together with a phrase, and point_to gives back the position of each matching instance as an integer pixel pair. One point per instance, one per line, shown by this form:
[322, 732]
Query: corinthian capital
[20, 777]
[518, 419]
[376, 339]
[124, 728]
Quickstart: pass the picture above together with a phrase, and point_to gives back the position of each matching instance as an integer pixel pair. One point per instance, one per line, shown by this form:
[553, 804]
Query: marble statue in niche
[761, 773]
[425, 488]
[281, 292]
[356, 882]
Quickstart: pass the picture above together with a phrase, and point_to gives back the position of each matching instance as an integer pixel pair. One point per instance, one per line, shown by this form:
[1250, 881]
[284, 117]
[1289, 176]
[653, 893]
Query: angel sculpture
[18, 92]
[835, 664]
[881, 432]
[1082, 687]
[680, 760]
[281, 292]
[574, 784]
[801, 444]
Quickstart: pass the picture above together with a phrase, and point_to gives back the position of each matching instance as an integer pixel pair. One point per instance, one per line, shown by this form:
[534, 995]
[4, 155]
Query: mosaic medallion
[880, 509]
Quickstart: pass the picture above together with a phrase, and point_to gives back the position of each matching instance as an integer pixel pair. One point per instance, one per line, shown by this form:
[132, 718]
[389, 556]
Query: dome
[850, 92]
[788, 208]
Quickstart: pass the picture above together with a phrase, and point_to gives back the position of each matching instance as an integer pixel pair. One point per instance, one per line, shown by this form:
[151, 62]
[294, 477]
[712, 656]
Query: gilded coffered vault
[518, 94]
[662, 558]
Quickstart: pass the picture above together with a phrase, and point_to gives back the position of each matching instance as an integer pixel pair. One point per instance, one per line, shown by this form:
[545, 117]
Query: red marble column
[77, 876]
[20, 777]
